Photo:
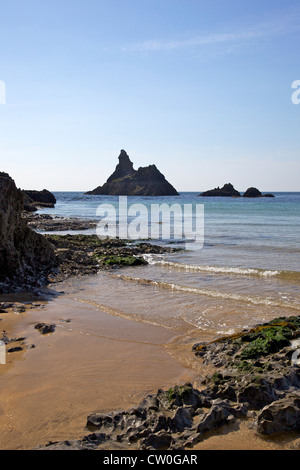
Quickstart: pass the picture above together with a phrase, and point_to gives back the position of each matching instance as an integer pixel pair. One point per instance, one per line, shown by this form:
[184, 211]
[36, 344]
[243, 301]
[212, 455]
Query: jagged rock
[161, 440]
[226, 191]
[280, 416]
[123, 168]
[26, 257]
[126, 181]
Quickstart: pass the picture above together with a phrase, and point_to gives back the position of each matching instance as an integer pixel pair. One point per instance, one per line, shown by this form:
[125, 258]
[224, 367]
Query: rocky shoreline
[79, 255]
[53, 223]
[256, 380]
[26, 257]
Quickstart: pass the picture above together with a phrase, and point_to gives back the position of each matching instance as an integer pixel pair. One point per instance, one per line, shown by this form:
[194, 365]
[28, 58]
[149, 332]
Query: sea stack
[26, 257]
[126, 181]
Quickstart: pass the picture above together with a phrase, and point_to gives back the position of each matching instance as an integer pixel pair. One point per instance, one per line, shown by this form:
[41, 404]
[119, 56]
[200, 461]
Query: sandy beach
[92, 362]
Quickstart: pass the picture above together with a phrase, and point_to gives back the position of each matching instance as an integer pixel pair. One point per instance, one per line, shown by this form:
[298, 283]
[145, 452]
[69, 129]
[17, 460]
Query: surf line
[119, 314]
[208, 293]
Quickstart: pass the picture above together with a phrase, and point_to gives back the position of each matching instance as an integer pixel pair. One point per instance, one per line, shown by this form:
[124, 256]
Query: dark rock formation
[123, 168]
[254, 192]
[34, 199]
[226, 191]
[26, 258]
[282, 415]
[87, 254]
[126, 181]
[49, 223]
[45, 328]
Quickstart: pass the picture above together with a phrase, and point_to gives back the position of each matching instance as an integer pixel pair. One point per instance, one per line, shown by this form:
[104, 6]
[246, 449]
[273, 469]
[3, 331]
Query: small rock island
[126, 181]
[254, 192]
[229, 191]
[226, 191]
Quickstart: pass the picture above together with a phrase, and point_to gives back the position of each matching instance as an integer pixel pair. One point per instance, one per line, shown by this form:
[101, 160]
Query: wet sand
[91, 362]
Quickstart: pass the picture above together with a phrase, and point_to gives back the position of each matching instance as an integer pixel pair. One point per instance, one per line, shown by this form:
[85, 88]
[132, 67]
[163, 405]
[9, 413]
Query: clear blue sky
[200, 88]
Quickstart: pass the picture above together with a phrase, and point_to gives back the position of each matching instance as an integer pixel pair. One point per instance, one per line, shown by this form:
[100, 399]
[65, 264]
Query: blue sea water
[247, 271]
[265, 231]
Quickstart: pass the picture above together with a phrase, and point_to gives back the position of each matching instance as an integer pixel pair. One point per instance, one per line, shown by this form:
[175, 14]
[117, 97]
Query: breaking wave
[151, 259]
[211, 293]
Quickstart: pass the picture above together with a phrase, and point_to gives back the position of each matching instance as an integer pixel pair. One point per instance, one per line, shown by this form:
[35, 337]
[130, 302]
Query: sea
[245, 270]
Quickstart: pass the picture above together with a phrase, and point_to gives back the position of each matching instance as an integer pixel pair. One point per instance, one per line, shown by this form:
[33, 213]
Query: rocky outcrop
[123, 168]
[26, 258]
[226, 191]
[255, 379]
[254, 192]
[229, 191]
[87, 254]
[50, 223]
[34, 199]
[126, 181]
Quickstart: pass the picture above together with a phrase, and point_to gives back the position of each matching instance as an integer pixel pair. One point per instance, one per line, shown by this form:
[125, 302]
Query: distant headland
[126, 181]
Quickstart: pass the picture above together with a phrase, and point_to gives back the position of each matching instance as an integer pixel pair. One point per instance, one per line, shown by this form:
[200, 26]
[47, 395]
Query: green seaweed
[266, 341]
[116, 260]
[180, 391]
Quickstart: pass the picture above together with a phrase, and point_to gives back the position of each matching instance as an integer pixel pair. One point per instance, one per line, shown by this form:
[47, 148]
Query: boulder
[254, 192]
[26, 257]
[45, 328]
[282, 415]
[126, 181]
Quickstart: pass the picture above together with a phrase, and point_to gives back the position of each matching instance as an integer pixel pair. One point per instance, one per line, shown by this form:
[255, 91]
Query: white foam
[212, 293]
[211, 269]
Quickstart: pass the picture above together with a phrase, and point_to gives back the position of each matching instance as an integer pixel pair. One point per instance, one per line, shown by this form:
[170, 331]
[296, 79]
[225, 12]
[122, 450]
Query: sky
[202, 89]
